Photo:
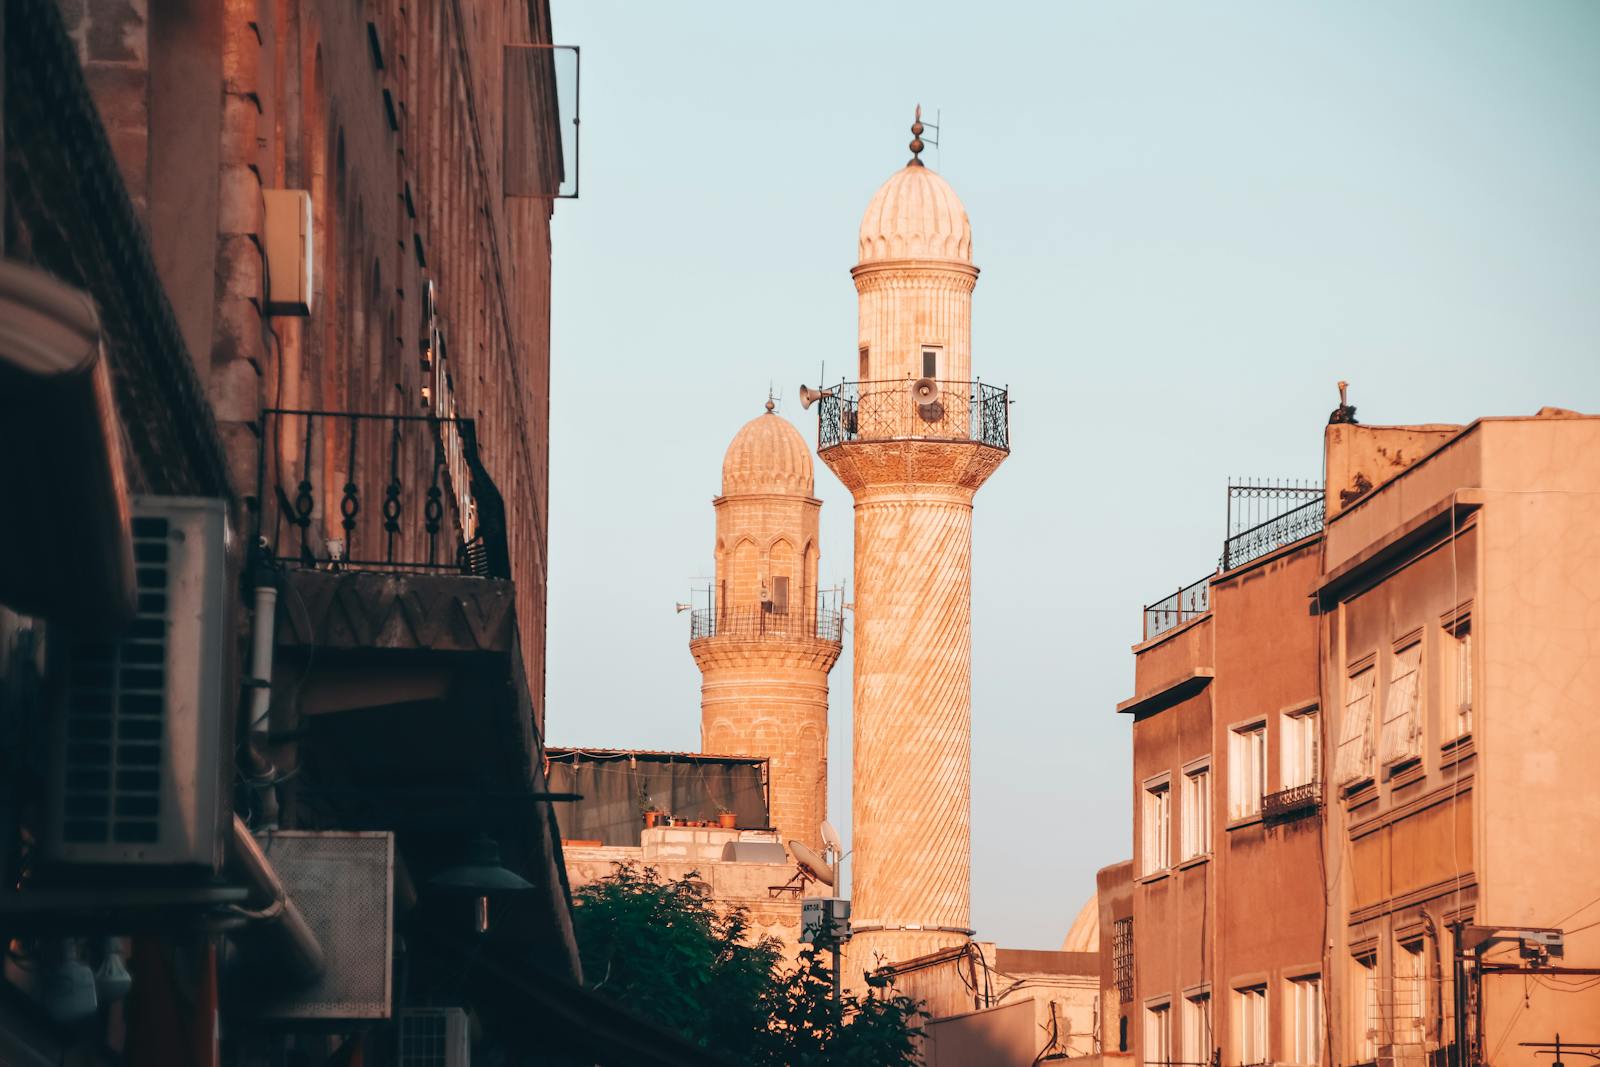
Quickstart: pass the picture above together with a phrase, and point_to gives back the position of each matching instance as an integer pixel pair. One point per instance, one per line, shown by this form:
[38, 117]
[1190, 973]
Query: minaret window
[930, 362]
[780, 595]
[865, 350]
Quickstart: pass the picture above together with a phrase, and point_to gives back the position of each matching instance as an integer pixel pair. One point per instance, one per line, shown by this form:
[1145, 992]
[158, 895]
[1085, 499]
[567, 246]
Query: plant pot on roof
[727, 820]
[656, 817]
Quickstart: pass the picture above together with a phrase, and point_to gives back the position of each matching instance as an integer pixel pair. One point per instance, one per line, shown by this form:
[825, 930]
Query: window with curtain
[1195, 812]
[1459, 644]
[1250, 1024]
[1354, 762]
[1300, 748]
[1247, 770]
[1305, 1019]
[1157, 826]
[1196, 1023]
[1402, 718]
[1158, 1035]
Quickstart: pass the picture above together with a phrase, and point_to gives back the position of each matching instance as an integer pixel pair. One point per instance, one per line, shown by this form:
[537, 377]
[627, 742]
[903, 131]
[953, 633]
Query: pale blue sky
[1191, 221]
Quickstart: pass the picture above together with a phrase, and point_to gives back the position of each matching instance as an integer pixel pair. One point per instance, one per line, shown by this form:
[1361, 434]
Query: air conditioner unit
[434, 1037]
[138, 764]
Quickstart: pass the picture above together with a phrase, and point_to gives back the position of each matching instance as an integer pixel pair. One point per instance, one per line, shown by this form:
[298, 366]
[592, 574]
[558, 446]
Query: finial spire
[771, 400]
[916, 139]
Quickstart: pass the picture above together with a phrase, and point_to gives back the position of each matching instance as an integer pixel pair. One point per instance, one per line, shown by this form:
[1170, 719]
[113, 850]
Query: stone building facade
[430, 287]
[1376, 710]
[262, 276]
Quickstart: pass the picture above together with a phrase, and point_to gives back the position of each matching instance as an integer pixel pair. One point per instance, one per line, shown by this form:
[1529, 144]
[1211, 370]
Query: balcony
[1292, 803]
[914, 409]
[1264, 517]
[754, 624]
[1187, 603]
[400, 494]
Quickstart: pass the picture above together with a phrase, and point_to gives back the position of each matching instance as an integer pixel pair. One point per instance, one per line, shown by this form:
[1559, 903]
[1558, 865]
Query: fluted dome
[916, 215]
[767, 455]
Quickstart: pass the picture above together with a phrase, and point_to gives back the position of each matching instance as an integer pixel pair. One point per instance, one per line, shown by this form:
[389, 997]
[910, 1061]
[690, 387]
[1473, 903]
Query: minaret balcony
[755, 624]
[922, 409]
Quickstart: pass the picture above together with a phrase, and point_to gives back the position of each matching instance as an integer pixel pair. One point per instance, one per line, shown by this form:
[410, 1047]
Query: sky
[1191, 221]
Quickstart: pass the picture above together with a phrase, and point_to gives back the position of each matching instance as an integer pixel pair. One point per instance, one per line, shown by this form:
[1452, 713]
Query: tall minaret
[766, 642]
[913, 441]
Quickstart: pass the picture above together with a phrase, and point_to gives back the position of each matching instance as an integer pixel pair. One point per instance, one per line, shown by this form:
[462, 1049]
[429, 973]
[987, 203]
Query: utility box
[287, 222]
[139, 751]
[824, 920]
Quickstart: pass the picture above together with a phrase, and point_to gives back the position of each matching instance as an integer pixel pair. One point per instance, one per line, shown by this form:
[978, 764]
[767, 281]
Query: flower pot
[655, 818]
[728, 820]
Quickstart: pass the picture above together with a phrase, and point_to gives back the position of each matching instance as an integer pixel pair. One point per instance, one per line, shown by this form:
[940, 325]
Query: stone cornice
[962, 465]
[914, 273]
[711, 653]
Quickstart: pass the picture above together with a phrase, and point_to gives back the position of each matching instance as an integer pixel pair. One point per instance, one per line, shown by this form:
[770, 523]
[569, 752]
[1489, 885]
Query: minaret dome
[767, 455]
[915, 215]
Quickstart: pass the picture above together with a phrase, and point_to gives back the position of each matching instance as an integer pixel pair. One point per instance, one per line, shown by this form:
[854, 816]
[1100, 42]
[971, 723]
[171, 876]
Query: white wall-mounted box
[287, 222]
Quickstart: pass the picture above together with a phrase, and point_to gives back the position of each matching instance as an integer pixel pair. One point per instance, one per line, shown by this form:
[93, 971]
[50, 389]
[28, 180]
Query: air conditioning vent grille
[115, 714]
[434, 1037]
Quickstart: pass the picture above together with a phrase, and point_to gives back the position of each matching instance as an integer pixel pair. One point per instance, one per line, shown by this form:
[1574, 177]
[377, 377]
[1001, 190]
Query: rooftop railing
[395, 493]
[1187, 603]
[1265, 516]
[755, 623]
[910, 409]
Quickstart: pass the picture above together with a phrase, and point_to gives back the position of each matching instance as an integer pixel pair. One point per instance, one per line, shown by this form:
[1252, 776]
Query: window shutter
[1402, 725]
[1355, 735]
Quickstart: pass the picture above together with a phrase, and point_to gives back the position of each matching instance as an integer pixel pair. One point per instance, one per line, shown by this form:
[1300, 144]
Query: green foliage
[662, 949]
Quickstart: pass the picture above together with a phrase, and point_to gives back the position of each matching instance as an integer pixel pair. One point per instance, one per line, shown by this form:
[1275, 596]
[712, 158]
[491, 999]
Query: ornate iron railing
[1187, 603]
[357, 491]
[821, 625]
[1292, 802]
[1265, 516]
[890, 410]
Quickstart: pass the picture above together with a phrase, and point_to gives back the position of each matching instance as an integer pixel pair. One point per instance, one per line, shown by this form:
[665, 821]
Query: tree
[662, 948]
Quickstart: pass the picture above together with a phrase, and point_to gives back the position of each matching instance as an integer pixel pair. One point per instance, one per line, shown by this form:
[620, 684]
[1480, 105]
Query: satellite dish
[830, 837]
[925, 391]
[812, 865]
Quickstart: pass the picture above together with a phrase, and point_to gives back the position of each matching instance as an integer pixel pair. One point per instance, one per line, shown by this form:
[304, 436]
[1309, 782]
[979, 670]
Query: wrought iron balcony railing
[892, 410]
[1187, 603]
[1291, 803]
[396, 493]
[1264, 517]
[820, 625]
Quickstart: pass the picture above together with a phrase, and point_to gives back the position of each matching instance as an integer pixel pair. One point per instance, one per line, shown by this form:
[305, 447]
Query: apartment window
[1122, 962]
[1305, 1019]
[1365, 986]
[1250, 1023]
[1410, 985]
[1196, 812]
[1157, 825]
[1402, 723]
[1247, 771]
[1459, 638]
[930, 362]
[1355, 734]
[1158, 1035]
[1196, 1024]
[1300, 753]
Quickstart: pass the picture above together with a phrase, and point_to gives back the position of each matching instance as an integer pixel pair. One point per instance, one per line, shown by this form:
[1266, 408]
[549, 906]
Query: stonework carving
[913, 493]
[764, 644]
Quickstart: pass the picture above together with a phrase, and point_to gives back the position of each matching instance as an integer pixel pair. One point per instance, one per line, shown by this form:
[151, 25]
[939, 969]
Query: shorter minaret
[765, 641]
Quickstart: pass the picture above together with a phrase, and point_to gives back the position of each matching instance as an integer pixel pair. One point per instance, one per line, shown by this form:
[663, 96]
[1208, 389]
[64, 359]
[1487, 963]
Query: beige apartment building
[1361, 815]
